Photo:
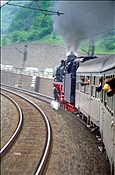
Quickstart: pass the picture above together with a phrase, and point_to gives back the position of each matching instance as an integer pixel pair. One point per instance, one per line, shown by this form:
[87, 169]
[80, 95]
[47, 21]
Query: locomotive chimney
[71, 55]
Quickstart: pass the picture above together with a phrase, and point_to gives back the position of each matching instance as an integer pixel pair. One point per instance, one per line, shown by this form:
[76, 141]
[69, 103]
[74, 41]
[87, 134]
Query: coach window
[91, 90]
[88, 79]
[86, 90]
[82, 79]
[94, 83]
[94, 80]
[99, 82]
[110, 101]
[109, 104]
[77, 82]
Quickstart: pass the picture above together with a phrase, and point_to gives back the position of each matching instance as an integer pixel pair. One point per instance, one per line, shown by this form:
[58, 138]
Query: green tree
[30, 25]
[108, 42]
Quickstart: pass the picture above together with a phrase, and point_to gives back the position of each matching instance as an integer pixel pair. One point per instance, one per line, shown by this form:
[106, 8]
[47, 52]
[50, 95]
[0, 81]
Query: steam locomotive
[86, 87]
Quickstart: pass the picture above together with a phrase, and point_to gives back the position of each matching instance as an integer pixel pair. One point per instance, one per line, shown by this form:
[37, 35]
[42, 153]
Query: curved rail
[42, 164]
[31, 93]
[17, 131]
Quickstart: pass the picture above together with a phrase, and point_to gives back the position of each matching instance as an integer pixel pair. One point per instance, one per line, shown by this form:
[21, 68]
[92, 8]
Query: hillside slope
[38, 55]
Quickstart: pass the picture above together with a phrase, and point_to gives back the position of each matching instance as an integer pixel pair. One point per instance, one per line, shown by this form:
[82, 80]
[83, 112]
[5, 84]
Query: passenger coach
[95, 104]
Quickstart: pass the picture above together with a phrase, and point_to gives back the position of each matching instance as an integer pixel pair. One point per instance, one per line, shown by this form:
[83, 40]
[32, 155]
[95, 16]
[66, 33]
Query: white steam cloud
[83, 20]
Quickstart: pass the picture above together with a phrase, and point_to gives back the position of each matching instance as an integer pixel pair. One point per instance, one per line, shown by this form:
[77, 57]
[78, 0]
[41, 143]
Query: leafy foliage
[7, 13]
[30, 25]
[108, 42]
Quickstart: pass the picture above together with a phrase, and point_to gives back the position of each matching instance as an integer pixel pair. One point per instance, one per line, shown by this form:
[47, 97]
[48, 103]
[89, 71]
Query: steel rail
[18, 128]
[43, 161]
[28, 92]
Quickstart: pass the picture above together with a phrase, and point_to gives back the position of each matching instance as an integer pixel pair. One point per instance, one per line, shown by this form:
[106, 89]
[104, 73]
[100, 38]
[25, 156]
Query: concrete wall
[42, 85]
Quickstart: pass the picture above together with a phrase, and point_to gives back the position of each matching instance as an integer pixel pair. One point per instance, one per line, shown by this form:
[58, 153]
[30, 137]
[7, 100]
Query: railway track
[30, 93]
[74, 148]
[28, 141]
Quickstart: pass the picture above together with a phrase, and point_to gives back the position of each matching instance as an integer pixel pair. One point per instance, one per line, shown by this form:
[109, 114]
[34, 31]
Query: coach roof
[99, 64]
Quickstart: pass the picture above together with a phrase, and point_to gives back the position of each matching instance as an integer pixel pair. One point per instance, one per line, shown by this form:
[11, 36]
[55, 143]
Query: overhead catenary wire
[39, 9]
[48, 11]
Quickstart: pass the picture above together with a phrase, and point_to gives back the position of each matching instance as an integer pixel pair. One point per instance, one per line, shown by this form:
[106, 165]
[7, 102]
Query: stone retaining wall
[42, 85]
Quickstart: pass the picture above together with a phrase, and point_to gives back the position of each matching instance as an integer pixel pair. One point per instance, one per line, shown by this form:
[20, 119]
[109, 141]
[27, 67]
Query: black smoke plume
[83, 20]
